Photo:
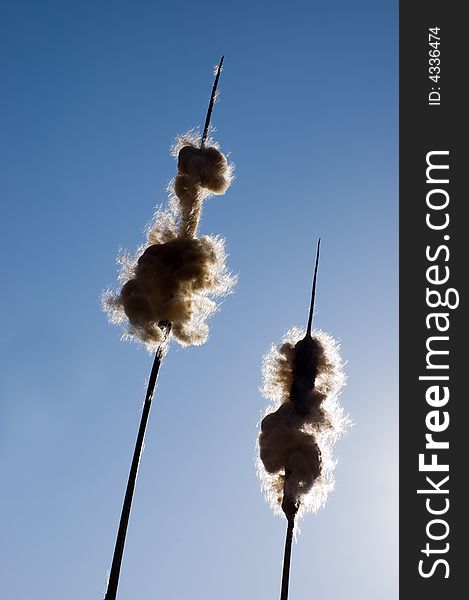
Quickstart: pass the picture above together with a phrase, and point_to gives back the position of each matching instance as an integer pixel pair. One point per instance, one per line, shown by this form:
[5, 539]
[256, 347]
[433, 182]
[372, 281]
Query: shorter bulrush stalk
[113, 582]
[302, 378]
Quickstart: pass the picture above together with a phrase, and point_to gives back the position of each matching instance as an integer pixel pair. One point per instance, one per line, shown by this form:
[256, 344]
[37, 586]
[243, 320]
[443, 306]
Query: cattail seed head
[302, 379]
[176, 276]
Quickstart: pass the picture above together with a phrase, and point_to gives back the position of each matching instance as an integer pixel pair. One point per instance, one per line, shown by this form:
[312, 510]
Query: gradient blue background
[93, 96]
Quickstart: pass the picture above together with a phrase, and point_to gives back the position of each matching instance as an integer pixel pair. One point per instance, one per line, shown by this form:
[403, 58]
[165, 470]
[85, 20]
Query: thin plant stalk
[290, 509]
[287, 558]
[313, 293]
[211, 103]
[113, 582]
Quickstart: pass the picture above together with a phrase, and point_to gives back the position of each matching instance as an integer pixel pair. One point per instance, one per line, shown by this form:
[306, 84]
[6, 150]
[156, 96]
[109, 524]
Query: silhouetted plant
[302, 379]
[169, 285]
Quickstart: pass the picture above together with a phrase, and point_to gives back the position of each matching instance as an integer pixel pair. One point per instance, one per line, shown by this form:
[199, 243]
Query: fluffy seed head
[302, 379]
[176, 276]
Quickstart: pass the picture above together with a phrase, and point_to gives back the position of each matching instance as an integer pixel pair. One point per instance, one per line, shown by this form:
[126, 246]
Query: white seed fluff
[175, 277]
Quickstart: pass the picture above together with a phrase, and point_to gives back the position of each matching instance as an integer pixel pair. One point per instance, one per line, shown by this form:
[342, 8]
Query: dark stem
[290, 507]
[211, 103]
[111, 592]
[286, 558]
[313, 293]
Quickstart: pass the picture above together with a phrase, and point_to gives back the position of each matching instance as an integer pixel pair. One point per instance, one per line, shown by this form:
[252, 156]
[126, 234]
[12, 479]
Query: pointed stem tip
[313, 293]
[211, 103]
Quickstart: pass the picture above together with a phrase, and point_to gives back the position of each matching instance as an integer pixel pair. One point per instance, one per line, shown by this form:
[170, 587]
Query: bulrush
[169, 286]
[302, 379]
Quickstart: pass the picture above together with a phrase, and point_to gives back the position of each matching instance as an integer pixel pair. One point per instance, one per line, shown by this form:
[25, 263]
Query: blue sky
[93, 96]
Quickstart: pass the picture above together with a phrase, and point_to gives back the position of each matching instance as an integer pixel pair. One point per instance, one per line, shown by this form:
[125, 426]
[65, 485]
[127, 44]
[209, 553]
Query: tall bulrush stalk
[170, 283]
[302, 379]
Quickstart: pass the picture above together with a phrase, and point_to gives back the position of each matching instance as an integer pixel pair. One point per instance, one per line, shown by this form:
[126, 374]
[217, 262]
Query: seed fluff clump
[175, 277]
[302, 379]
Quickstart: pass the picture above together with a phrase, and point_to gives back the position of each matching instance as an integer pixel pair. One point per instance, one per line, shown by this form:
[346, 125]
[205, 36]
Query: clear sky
[93, 96]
